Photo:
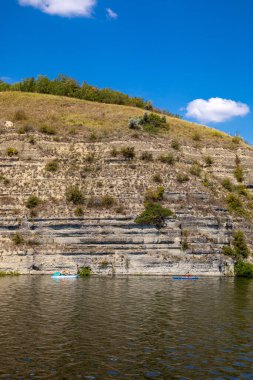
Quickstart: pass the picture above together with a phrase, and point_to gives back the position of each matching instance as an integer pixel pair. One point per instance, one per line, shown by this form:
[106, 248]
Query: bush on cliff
[52, 166]
[84, 272]
[239, 248]
[74, 195]
[128, 152]
[11, 152]
[154, 195]
[154, 214]
[243, 269]
[238, 173]
[17, 239]
[32, 202]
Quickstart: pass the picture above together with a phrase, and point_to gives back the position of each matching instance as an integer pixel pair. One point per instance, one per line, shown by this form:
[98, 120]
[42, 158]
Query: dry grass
[104, 120]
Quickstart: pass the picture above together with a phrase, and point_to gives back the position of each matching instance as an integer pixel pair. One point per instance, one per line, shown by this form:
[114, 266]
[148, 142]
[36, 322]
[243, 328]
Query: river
[126, 328]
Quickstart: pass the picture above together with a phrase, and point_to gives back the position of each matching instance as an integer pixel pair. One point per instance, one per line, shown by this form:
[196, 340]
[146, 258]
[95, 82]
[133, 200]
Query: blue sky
[170, 52]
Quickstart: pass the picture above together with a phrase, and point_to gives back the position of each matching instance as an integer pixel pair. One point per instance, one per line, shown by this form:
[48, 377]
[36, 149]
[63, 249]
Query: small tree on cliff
[154, 214]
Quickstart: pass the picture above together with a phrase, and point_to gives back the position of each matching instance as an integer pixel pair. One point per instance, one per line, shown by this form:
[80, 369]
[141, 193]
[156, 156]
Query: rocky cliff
[55, 143]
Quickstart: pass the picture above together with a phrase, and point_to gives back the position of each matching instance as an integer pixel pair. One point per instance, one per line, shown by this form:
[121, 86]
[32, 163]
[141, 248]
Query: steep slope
[58, 144]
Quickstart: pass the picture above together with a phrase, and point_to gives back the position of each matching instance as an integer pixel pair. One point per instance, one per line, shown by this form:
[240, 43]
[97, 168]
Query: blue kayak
[66, 276]
[61, 276]
[185, 278]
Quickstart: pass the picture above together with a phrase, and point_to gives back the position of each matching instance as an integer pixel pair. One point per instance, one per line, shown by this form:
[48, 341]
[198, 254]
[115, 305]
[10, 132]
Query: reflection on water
[126, 328]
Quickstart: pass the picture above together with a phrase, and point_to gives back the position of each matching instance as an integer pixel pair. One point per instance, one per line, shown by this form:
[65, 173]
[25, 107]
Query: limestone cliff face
[106, 238]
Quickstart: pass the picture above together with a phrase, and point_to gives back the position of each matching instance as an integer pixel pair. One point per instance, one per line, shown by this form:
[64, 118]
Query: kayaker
[188, 275]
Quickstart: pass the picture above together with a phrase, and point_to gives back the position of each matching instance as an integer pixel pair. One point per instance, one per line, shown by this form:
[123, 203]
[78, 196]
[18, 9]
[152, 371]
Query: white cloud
[111, 14]
[64, 8]
[215, 110]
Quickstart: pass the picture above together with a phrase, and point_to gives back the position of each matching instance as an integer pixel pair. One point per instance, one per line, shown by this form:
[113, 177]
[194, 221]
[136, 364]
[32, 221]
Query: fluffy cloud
[215, 110]
[111, 14]
[65, 8]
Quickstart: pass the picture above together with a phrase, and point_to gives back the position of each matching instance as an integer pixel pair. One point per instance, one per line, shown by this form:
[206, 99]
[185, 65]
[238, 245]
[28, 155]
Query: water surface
[126, 328]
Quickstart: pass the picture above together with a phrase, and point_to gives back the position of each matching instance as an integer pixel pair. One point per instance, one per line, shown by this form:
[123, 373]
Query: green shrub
[167, 159]
[32, 202]
[146, 156]
[196, 170]
[181, 178]
[128, 152]
[236, 140]
[150, 122]
[19, 115]
[93, 137]
[154, 120]
[208, 161]
[237, 160]
[90, 157]
[241, 190]
[32, 140]
[157, 178]
[11, 273]
[52, 166]
[238, 173]
[227, 184]
[196, 136]
[17, 239]
[228, 251]
[84, 272]
[235, 205]
[134, 123]
[154, 195]
[175, 144]
[154, 214]
[114, 152]
[107, 201]
[79, 212]
[33, 213]
[74, 195]
[240, 244]
[25, 129]
[11, 151]
[47, 130]
[243, 269]
[185, 244]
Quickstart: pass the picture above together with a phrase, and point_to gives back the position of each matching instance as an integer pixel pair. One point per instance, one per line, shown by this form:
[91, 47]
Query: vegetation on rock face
[146, 156]
[227, 184]
[238, 173]
[47, 130]
[74, 195]
[79, 211]
[128, 152]
[52, 166]
[154, 195]
[32, 202]
[167, 159]
[235, 205]
[239, 251]
[11, 273]
[84, 272]
[181, 178]
[175, 144]
[208, 161]
[17, 239]
[154, 214]
[243, 269]
[11, 151]
[196, 169]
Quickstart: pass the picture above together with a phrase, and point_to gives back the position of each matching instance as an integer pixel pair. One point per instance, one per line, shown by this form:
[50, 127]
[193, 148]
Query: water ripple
[125, 328]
